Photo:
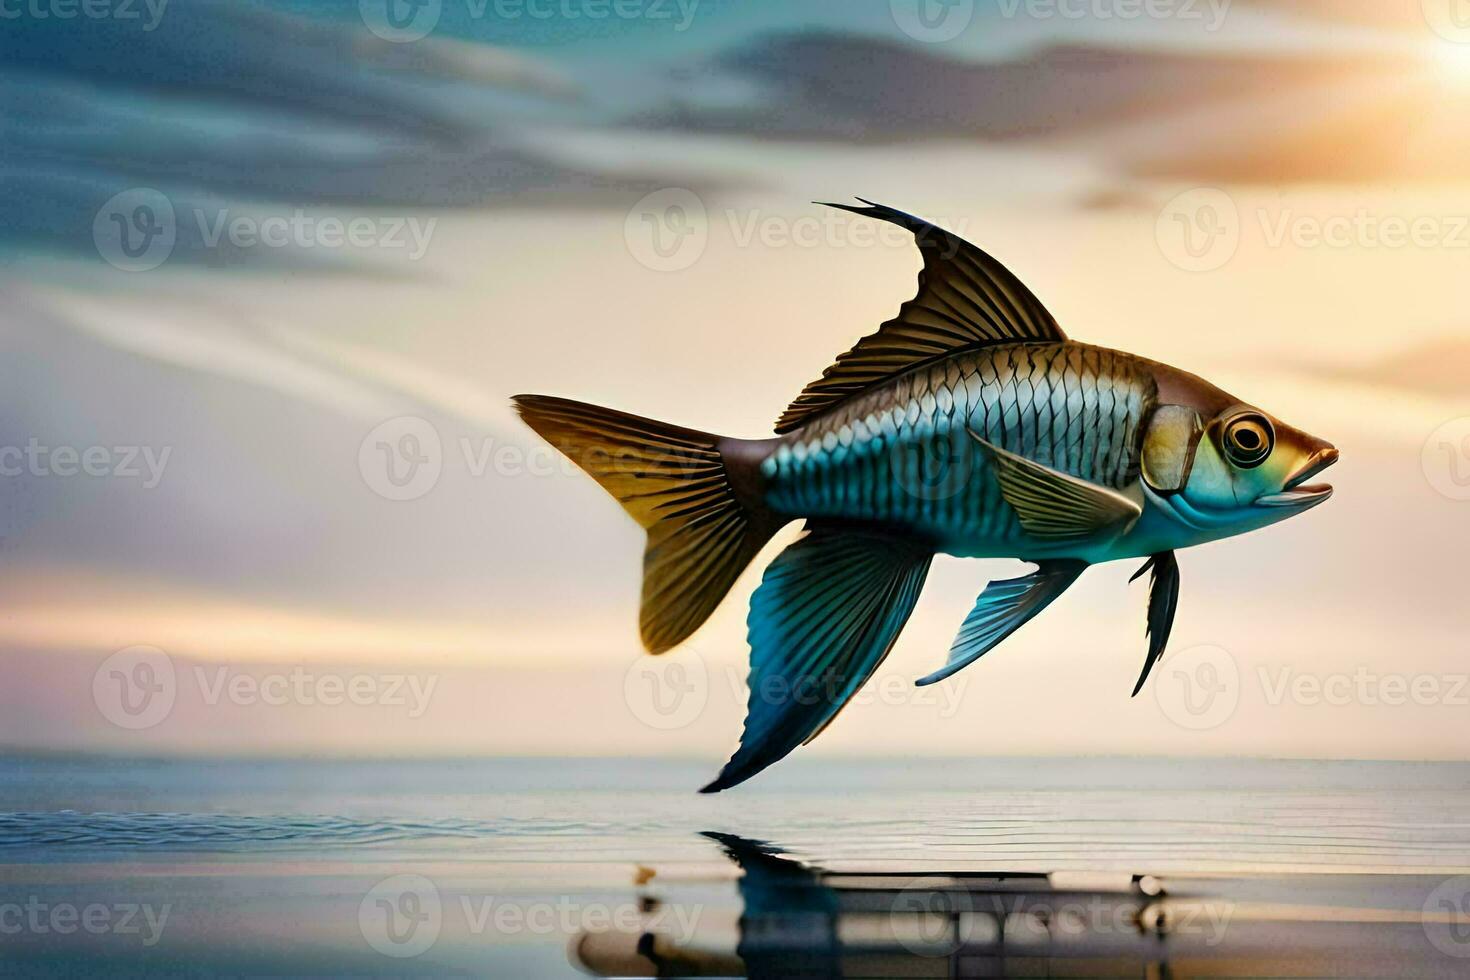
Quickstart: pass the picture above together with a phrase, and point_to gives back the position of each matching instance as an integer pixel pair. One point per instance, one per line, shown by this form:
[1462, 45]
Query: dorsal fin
[965, 299]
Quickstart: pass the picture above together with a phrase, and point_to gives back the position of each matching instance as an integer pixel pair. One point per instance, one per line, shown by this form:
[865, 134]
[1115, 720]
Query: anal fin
[1004, 607]
[1163, 600]
[825, 615]
[1053, 504]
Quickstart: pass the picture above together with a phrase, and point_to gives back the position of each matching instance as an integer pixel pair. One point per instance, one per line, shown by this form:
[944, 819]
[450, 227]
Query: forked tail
[677, 484]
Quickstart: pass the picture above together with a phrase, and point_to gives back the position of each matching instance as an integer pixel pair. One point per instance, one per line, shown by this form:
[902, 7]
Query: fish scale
[901, 453]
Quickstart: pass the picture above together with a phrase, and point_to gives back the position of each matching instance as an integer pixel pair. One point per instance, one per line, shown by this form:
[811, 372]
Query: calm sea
[555, 868]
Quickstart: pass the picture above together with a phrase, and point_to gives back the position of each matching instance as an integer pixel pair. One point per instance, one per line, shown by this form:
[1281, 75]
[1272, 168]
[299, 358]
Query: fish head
[1224, 466]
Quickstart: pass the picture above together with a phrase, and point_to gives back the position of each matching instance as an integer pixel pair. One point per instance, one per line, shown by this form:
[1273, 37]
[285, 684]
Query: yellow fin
[1053, 504]
[676, 484]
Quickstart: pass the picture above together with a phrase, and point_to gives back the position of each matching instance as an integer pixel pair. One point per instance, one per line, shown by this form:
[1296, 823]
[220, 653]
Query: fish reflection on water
[524, 869]
[800, 920]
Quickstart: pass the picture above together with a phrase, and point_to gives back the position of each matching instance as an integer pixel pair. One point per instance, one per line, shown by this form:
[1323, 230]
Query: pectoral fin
[1053, 504]
[826, 614]
[1004, 607]
[1163, 599]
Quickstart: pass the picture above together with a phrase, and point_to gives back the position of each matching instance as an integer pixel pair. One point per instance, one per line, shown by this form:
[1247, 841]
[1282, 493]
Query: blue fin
[1163, 599]
[1004, 607]
[826, 614]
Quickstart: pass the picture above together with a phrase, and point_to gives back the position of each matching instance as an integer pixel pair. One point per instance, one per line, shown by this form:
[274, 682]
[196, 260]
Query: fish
[968, 425]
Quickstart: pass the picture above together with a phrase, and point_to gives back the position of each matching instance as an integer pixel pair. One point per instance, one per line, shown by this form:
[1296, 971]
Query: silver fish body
[904, 454]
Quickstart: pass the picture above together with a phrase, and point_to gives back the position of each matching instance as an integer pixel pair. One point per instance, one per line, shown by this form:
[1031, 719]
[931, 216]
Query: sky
[253, 253]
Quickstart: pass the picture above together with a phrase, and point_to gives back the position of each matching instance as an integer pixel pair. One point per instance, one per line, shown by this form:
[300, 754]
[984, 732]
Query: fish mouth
[1298, 492]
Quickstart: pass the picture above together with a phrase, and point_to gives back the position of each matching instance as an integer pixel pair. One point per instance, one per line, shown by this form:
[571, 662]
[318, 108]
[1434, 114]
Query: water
[531, 868]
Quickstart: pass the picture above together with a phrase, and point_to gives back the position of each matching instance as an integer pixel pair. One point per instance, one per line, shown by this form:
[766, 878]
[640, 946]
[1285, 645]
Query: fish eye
[1248, 439]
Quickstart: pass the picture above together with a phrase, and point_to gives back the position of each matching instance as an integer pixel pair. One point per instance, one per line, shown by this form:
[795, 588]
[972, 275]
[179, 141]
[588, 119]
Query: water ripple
[222, 831]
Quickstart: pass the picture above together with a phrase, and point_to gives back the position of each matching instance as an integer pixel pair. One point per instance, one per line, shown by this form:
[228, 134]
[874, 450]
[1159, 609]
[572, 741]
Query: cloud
[1406, 15]
[223, 103]
[209, 338]
[263, 498]
[1433, 370]
[229, 55]
[1196, 114]
[817, 84]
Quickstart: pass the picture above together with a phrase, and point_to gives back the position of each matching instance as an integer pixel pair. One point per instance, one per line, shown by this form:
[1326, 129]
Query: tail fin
[676, 484]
